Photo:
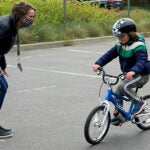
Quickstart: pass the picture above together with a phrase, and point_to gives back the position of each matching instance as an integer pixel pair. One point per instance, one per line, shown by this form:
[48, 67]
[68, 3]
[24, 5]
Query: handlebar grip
[99, 71]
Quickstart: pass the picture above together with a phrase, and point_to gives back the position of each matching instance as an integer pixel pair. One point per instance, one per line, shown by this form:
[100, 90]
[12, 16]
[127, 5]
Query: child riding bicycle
[133, 58]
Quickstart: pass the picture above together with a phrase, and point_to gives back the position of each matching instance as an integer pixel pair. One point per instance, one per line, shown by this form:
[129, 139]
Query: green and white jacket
[132, 57]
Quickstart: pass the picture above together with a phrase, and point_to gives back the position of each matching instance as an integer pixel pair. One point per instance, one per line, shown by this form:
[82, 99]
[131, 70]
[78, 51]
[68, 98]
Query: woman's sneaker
[138, 107]
[5, 133]
[7, 130]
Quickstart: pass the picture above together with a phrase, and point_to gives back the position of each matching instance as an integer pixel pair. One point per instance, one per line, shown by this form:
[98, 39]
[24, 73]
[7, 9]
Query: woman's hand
[5, 73]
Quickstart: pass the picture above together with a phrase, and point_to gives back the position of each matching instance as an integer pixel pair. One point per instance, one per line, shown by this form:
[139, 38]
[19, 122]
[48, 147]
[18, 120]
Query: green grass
[83, 20]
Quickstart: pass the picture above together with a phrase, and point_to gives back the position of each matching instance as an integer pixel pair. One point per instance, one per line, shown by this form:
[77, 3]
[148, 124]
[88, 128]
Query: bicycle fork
[105, 111]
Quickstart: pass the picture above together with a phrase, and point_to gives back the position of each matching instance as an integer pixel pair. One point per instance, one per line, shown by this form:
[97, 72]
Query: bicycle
[98, 121]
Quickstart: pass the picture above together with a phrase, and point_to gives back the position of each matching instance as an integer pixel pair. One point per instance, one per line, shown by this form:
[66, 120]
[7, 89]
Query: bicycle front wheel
[143, 122]
[97, 125]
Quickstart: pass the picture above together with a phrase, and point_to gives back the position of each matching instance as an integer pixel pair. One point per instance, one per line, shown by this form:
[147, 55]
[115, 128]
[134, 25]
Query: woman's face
[123, 38]
[28, 19]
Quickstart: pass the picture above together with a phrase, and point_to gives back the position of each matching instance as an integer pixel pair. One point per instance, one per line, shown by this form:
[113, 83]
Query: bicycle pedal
[117, 123]
[133, 119]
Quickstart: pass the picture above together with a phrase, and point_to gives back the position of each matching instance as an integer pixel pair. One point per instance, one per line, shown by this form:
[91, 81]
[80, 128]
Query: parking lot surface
[47, 104]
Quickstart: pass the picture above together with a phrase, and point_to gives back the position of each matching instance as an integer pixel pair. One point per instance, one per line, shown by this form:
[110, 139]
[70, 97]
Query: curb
[48, 45]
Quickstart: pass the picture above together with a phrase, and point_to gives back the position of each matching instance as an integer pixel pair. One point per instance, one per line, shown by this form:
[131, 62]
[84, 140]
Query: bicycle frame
[98, 121]
[110, 96]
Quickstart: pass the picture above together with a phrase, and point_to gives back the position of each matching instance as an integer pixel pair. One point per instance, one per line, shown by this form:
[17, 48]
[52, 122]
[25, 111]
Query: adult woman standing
[22, 15]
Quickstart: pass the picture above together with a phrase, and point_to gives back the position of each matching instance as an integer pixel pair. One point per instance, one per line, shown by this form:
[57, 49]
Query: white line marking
[41, 55]
[57, 66]
[55, 71]
[35, 89]
[26, 57]
[1, 140]
[79, 51]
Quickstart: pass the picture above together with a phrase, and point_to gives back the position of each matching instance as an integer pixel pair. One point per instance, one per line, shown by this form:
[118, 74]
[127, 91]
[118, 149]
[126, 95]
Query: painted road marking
[2, 140]
[79, 51]
[35, 89]
[56, 71]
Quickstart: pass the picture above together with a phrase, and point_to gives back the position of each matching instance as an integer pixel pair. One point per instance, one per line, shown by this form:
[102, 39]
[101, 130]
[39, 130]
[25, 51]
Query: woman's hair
[21, 9]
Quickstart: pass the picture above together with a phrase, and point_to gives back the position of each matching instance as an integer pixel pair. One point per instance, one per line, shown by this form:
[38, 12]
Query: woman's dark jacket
[8, 34]
[132, 57]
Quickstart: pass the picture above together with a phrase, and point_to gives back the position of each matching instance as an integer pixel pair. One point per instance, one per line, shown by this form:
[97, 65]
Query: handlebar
[105, 80]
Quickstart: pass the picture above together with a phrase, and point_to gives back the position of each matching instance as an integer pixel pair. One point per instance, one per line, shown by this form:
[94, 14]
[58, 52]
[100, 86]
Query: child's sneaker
[138, 107]
[114, 120]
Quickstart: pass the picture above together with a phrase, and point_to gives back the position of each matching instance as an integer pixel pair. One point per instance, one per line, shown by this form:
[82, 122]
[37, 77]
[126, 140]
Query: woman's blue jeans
[3, 89]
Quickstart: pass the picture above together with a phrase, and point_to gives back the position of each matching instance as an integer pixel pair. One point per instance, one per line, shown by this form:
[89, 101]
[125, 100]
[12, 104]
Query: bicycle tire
[98, 115]
[145, 123]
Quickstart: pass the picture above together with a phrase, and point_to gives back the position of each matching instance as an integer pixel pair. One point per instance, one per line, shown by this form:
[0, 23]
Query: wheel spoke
[96, 127]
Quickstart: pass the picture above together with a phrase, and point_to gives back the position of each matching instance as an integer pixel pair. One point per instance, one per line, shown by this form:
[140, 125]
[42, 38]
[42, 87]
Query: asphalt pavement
[47, 104]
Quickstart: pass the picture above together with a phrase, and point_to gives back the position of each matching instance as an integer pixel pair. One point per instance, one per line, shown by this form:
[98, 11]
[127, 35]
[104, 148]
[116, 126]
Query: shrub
[83, 20]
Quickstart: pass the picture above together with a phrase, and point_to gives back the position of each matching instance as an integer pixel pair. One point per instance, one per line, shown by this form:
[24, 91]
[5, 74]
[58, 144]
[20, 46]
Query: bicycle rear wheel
[96, 125]
[143, 122]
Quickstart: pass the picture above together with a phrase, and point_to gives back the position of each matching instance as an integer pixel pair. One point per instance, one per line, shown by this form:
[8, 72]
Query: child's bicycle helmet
[124, 25]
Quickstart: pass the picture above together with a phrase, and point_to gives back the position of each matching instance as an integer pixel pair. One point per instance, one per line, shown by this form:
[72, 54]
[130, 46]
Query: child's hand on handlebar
[130, 74]
[96, 67]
